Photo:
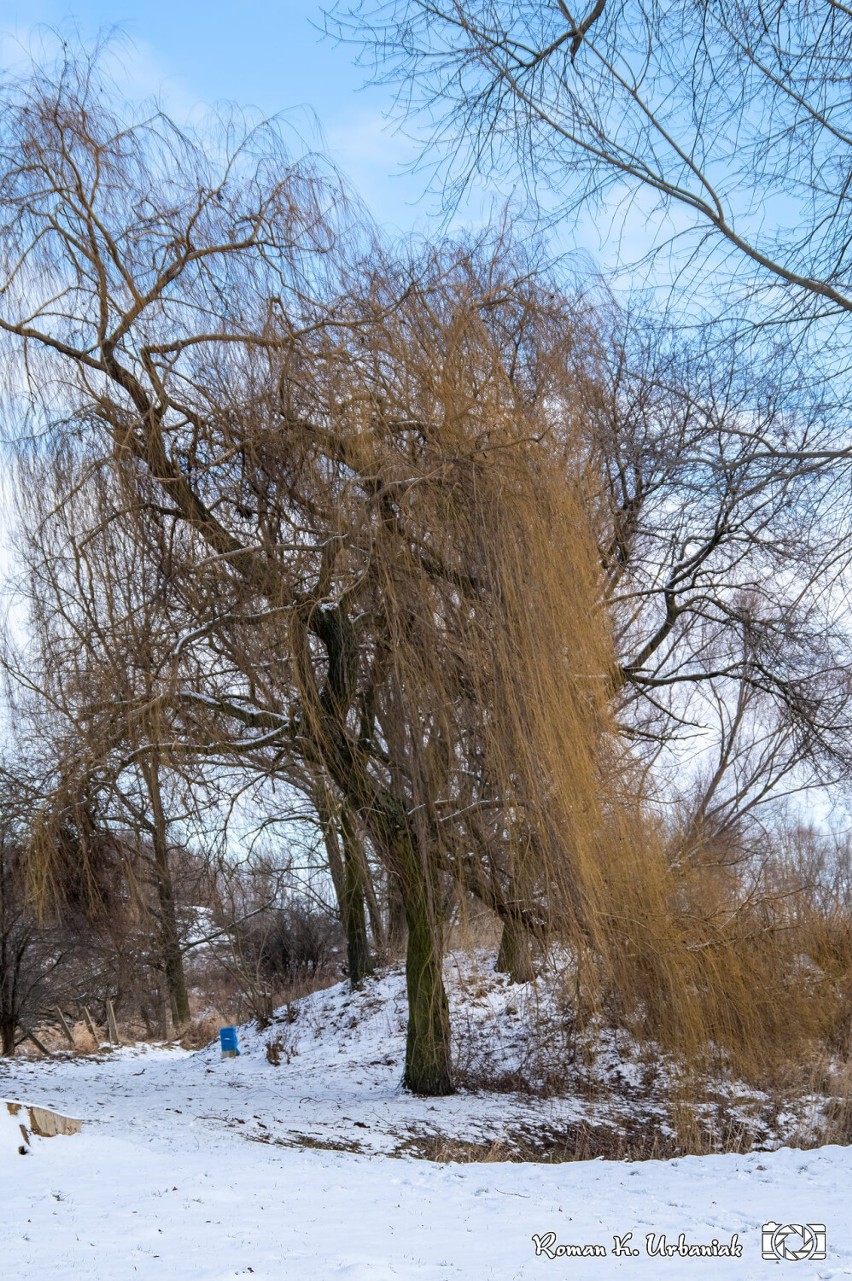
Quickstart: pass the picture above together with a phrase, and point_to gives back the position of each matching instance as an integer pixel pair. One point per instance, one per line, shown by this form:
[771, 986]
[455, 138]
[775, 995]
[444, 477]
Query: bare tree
[720, 134]
[99, 629]
[730, 122]
[726, 551]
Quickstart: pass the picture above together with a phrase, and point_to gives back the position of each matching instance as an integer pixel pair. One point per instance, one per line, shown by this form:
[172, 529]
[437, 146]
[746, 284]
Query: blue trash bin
[228, 1042]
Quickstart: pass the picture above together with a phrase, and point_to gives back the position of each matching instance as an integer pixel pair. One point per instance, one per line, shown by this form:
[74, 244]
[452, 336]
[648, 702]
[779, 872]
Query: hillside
[191, 1166]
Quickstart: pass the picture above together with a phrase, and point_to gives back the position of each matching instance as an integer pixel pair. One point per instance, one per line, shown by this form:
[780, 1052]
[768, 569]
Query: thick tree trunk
[397, 931]
[170, 949]
[515, 955]
[428, 1068]
[7, 1038]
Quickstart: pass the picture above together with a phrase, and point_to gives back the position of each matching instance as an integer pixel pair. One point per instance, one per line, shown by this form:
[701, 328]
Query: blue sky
[274, 58]
[259, 54]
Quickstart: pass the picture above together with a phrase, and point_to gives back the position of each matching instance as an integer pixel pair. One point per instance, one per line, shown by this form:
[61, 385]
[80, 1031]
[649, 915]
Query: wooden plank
[47, 1124]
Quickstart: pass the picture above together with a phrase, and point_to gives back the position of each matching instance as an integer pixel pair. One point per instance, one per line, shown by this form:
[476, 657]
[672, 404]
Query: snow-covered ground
[192, 1167]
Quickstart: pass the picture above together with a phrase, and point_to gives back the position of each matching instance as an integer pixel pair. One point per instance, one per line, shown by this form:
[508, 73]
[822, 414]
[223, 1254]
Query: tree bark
[346, 874]
[170, 949]
[7, 1039]
[428, 1067]
[357, 942]
[397, 932]
[515, 954]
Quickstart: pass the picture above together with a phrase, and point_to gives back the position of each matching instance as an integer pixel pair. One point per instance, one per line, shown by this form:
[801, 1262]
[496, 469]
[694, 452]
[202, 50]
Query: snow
[12, 1135]
[190, 1166]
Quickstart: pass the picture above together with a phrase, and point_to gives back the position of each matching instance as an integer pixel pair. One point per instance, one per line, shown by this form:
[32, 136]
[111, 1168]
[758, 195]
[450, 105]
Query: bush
[287, 943]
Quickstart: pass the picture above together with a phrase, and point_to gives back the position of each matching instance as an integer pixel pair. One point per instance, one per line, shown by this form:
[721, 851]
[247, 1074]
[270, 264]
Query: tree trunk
[377, 924]
[397, 930]
[7, 1038]
[170, 950]
[428, 1068]
[348, 884]
[388, 823]
[515, 955]
[357, 943]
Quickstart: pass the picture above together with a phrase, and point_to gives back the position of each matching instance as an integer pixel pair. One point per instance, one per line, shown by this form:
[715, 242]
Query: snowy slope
[193, 1167]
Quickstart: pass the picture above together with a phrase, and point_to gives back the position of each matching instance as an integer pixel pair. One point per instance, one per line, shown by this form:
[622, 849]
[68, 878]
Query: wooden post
[36, 1042]
[65, 1028]
[112, 1026]
[91, 1024]
[164, 1015]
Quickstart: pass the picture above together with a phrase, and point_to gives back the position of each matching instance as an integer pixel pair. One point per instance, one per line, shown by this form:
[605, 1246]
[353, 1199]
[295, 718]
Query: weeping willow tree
[87, 679]
[362, 475]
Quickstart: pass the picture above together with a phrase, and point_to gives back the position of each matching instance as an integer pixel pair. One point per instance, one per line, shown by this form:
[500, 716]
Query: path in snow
[185, 1170]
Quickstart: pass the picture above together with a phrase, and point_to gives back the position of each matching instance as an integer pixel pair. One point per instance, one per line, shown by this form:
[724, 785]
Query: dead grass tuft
[200, 1032]
[84, 1042]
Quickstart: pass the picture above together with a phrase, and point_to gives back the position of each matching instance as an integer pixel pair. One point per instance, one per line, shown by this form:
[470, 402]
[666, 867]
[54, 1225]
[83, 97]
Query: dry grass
[688, 1129]
[581, 1142]
[84, 1042]
[200, 1032]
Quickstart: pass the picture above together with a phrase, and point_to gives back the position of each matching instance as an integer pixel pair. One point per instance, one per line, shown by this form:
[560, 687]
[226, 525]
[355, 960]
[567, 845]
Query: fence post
[65, 1028]
[91, 1025]
[112, 1026]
